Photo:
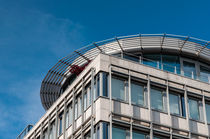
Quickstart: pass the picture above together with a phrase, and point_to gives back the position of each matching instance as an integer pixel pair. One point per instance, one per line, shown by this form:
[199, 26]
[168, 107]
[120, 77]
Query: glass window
[194, 109]
[105, 84]
[75, 110]
[118, 133]
[67, 119]
[189, 69]
[70, 115]
[105, 130]
[60, 124]
[131, 57]
[118, 89]
[174, 102]
[52, 131]
[89, 96]
[152, 60]
[157, 99]
[79, 106]
[85, 101]
[208, 112]
[137, 135]
[171, 63]
[204, 74]
[137, 93]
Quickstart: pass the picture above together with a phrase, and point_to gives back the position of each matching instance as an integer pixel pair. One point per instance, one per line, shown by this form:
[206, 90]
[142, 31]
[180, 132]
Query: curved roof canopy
[52, 85]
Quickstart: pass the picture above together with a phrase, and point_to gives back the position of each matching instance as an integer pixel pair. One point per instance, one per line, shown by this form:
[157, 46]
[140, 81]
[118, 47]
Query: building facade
[136, 87]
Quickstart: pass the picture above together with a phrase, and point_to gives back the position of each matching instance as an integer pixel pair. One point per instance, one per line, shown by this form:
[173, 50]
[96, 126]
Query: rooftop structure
[139, 86]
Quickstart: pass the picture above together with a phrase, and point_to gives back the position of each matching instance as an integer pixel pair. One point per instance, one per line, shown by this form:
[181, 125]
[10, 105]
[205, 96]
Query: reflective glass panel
[208, 112]
[138, 136]
[118, 89]
[189, 69]
[171, 63]
[204, 74]
[118, 133]
[137, 94]
[131, 57]
[194, 109]
[156, 99]
[152, 60]
[174, 104]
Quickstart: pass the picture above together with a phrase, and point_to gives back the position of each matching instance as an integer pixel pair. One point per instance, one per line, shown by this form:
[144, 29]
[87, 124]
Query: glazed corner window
[158, 99]
[137, 93]
[177, 104]
[120, 133]
[119, 87]
[208, 112]
[195, 109]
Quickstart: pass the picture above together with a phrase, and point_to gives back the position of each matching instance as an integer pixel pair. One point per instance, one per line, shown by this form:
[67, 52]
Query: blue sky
[35, 34]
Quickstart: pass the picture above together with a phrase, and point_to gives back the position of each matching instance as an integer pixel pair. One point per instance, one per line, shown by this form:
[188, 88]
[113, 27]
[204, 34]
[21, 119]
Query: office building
[145, 86]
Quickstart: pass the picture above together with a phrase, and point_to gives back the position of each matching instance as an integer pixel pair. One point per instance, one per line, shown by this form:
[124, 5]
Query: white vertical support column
[56, 123]
[82, 107]
[64, 118]
[92, 93]
[149, 106]
[110, 101]
[186, 107]
[48, 127]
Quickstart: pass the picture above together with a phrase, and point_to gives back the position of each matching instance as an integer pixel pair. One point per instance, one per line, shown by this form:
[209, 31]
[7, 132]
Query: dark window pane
[171, 63]
[152, 60]
[189, 69]
[131, 57]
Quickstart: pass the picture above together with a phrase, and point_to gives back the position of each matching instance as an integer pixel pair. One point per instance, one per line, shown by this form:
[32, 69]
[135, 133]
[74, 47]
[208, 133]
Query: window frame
[144, 92]
[198, 99]
[126, 88]
[199, 70]
[180, 96]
